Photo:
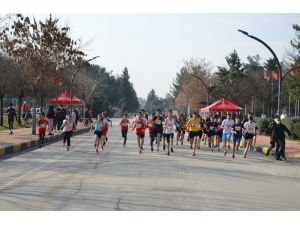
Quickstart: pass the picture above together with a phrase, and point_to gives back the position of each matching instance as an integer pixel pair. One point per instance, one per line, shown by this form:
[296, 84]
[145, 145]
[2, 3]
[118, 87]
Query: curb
[34, 143]
[263, 150]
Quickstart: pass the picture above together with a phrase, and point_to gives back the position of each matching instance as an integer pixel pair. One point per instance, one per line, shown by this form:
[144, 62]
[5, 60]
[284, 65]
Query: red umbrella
[222, 105]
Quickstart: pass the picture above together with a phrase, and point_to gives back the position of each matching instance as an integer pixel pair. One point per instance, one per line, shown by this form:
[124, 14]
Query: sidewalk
[292, 148]
[22, 139]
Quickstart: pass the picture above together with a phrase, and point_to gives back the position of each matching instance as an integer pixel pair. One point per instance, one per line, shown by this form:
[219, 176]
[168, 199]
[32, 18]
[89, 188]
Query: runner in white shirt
[169, 126]
[249, 128]
[226, 126]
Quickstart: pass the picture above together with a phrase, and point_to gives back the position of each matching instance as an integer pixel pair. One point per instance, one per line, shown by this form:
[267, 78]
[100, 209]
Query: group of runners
[213, 131]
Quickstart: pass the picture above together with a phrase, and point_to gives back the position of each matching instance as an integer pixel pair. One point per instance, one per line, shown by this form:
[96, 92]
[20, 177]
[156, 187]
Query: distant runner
[98, 124]
[124, 124]
[42, 124]
[139, 127]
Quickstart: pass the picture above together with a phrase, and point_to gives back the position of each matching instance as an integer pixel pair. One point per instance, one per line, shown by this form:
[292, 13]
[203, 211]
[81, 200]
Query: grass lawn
[16, 125]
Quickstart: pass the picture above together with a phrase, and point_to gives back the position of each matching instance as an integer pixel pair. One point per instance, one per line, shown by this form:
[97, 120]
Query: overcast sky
[154, 46]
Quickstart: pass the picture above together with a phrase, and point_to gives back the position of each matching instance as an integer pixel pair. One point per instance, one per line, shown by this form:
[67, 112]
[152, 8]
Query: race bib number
[139, 125]
[43, 126]
[211, 127]
[237, 128]
[158, 122]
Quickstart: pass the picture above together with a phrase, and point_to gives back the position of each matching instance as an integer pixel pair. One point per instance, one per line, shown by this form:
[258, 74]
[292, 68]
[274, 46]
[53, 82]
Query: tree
[230, 79]
[44, 49]
[192, 84]
[271, 65]
[235, 70]
[5, 83]
[292, 82]
[127, 92]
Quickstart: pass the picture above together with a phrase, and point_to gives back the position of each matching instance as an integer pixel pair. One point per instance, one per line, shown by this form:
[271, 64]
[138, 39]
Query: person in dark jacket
[50, 115]
[59, 115]
[278, 136]
[11, 114]
[272, 141]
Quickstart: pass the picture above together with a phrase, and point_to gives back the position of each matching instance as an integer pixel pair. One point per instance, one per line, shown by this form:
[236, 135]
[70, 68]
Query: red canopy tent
[77, 101]
[64, 99]
[222, 105]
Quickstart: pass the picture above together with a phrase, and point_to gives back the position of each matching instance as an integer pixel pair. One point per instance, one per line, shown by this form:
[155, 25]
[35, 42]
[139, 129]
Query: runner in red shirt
[139, 127]
[42, 124]
[106, 122]
[151, 129]
[124, 124]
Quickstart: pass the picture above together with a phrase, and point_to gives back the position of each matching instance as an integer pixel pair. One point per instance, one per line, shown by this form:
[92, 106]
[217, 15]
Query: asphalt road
[121, 179]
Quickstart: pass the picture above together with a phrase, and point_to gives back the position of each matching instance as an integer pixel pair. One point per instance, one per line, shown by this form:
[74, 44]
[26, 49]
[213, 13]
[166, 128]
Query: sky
[154, 46]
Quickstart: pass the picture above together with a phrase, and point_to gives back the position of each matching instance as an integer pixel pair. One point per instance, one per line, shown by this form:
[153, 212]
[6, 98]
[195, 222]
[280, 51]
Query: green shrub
[263, 125]
[296, 130]
[293, 124]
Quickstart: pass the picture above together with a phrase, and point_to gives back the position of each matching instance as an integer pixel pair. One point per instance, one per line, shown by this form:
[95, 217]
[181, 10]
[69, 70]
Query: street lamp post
[286, 73]
[73, 76]
[278, 66]
[205, 85]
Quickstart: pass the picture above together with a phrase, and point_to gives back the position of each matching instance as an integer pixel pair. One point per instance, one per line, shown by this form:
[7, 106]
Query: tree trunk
[20, 97]
[42, 104]
[1, 110]
[34, 115]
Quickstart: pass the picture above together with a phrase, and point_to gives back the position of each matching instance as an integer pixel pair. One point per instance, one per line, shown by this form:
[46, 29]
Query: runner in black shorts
[157, 127]
[219, 133]
[180, 129]
[211, 129]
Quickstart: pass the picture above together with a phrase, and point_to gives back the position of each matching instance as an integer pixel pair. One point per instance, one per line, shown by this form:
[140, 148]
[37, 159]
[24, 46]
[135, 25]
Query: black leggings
[280, 149]
[42, 137]
[67, 137]
[151, 139]
[10, 123]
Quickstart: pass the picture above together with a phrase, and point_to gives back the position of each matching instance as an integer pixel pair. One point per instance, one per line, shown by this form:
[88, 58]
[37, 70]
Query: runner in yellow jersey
[194, 127]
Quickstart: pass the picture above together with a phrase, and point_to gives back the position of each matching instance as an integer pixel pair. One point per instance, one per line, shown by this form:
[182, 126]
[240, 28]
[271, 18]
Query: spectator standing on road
[42, 124]
[50, 115]
[11, 115]
[67, 127]
[278, 135]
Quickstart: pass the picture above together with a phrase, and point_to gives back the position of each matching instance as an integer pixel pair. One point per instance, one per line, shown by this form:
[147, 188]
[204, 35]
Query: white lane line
[16, 180]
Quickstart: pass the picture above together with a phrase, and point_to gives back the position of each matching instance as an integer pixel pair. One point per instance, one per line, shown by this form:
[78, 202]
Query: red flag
[266, 75]
[275, 75]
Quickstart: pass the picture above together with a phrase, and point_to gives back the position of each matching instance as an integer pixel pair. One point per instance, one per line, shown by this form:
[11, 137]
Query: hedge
[293, 124]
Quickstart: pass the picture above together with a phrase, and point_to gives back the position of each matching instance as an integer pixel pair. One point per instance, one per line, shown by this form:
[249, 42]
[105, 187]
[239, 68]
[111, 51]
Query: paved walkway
[22, 135]
[292, 147]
